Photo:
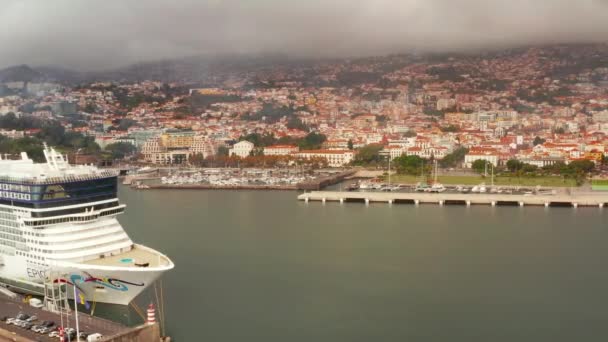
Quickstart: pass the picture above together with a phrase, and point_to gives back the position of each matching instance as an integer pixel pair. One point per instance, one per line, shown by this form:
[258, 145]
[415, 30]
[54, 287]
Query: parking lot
[88, 324]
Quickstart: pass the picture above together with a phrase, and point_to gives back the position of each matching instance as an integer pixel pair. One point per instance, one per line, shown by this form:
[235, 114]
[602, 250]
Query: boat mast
[389, 167]
[492, 165]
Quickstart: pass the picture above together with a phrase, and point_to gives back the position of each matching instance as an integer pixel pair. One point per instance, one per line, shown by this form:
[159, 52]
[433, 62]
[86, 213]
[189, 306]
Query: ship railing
[62, 179]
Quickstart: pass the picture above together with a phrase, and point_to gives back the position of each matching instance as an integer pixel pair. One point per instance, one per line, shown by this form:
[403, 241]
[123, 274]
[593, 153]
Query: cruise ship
[58, 224]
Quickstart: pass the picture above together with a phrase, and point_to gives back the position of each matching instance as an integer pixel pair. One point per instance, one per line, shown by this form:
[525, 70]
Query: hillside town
[541, 106]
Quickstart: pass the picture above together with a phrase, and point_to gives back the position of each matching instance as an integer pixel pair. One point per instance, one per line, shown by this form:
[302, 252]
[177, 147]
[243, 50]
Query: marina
[238, 179]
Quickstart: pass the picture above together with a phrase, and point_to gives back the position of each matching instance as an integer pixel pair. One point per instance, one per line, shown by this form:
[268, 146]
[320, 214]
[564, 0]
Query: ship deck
[132, 258]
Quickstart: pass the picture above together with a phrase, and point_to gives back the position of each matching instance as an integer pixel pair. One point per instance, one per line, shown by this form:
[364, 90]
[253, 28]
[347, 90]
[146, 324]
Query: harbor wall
[142, 333]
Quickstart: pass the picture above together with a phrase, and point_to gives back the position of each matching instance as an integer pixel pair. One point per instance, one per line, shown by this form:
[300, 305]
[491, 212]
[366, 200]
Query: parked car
[22, 316]
[47, 330]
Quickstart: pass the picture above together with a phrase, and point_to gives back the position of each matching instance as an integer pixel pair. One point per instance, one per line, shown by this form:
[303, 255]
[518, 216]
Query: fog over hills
[101, 35]
[213, 71]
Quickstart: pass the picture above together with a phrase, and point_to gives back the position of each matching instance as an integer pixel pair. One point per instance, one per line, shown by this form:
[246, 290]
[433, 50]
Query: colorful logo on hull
[111, 283]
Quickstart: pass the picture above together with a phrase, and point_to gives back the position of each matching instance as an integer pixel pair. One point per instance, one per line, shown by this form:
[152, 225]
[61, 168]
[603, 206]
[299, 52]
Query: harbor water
[262, 266]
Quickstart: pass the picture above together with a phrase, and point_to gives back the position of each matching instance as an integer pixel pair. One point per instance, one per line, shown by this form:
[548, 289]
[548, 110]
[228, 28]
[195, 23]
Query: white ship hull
[58, 225]
[96, 283]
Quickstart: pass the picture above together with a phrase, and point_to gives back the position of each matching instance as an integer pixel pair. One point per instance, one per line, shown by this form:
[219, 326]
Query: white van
[94, 337]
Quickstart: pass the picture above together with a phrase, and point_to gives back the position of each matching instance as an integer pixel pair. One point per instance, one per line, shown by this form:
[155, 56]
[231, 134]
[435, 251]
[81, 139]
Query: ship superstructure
[58, 223]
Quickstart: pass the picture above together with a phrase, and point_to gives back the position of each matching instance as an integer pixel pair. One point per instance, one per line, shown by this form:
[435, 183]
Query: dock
[416, 198]
[10, 306]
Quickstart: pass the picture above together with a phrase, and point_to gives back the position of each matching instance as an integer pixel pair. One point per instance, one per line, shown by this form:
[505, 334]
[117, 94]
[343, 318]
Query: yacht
[59, 224]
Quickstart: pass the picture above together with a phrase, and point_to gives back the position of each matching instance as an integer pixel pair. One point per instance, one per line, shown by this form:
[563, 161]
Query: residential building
[335, 158]
[490, 155]
[241, 149]
[280, 150]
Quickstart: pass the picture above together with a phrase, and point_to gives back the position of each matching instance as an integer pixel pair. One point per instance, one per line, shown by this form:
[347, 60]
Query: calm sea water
[261, 266]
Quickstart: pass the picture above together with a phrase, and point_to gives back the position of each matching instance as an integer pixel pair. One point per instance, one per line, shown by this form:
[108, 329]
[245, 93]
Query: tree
[369, 154]
[260, 140]
[90, 107]
[223, 151]
[538, 141]
[53, 134]
[296, 123]
[124, 124]
[350, 144]
[514, 165]
[312, 141]
[450, 129]
[454, 158]
[120, 150]
[32, 146]
[559, 130]
[581, 166]
[529, 168]
[411, 165]
[479, 165]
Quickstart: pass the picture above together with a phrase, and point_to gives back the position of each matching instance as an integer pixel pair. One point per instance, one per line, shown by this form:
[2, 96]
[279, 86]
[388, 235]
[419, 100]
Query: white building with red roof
[280, 150]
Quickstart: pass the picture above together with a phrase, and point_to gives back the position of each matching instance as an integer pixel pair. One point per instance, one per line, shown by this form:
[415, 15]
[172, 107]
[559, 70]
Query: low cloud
[95, 34]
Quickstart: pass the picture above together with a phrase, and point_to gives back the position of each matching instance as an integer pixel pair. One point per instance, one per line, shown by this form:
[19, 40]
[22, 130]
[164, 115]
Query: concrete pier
[562, 199]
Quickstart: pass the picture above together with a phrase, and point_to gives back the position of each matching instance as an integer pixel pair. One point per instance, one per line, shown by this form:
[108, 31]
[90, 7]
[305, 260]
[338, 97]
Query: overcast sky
[99, 34]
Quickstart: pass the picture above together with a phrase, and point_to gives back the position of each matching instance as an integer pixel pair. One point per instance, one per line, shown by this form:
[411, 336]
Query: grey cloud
[97, 34]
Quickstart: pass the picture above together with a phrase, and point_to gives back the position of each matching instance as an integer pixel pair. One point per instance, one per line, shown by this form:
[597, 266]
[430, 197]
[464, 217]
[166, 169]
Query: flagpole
[67, 304]
[60, 302]
[76, 313]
